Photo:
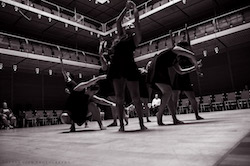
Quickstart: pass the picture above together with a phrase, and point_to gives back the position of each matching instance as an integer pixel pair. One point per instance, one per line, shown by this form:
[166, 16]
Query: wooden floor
[221, 139]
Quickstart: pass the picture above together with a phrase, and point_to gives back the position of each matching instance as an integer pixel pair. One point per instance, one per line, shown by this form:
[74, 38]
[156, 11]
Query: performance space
[222, 138]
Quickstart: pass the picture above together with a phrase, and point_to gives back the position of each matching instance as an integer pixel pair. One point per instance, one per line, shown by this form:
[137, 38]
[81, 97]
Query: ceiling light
[15, 67]
[50, 72]
[37, 70]
[102, 1]
[1, 66]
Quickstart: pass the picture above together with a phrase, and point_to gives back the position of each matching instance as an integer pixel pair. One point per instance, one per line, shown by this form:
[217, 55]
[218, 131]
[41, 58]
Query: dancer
[106, 87]
[159, 76]
[182, 83]
[123, 69]
[144, 91]
[81, 103]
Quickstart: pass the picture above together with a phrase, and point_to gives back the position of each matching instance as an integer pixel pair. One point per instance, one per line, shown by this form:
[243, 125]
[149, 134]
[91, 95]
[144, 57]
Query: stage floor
[221, 139]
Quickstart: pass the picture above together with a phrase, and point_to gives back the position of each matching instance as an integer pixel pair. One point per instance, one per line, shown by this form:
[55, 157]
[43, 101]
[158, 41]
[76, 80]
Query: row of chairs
[64, 14]
[40, 117]
[42, 49]
[200, 31]
[217, 102]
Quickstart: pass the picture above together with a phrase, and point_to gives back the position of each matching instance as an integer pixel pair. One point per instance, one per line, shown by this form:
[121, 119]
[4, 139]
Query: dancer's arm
[83, 85]
[65, 76]
[103, 101]
[137, 37]
[182, 71]
[120, 18]
[184, 52]
[104, 62]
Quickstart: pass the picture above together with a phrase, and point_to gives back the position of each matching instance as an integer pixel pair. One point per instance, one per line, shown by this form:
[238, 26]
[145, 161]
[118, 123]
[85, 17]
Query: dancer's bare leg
[119, 88]
[165, 101]
[92, 107]
[145, 101]
[194, 104]
[133, 87]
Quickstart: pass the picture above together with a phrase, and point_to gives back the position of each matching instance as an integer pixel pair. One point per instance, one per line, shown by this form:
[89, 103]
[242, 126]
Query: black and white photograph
[124, 82]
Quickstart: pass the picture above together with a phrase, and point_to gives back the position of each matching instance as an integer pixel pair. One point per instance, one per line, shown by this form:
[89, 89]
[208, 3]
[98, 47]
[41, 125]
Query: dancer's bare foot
[159, 120]
[112, 124]
[72, 128]
[103, 127]
[176, 122]
[143, 127]
[122, 129]
[126, 120]
[199, 118]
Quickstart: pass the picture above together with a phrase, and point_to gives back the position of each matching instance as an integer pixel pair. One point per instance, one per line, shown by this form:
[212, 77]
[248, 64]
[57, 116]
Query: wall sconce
[15, 67]
[16, 8]
[80, 75]
[1, 66]
[3, 4]
[66, 25]
[50, 72]
[49, 19]
[39, 16]
[37, 70]
[205, 53]
[216, 49]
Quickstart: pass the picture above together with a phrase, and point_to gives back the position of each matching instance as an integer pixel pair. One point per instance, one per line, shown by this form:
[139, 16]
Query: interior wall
[22, 90]
[224, 72]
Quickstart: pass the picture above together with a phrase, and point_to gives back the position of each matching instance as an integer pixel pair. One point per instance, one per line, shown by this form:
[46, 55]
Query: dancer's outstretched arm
[120, 18]
[184, 52]
[65, 76]
[137, 37]
[103, 101]
[182, 71]
[83, 85]
[104, 63]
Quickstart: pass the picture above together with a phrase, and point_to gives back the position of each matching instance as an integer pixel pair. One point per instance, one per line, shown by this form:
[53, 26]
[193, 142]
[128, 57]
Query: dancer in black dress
[106, 87]
[123, 69]
[81, 104]
[159, 76]
[182, 83]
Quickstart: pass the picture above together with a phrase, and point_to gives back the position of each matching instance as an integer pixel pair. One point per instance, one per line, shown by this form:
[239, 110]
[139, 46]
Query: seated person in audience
[156, 102]
[7, 117]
